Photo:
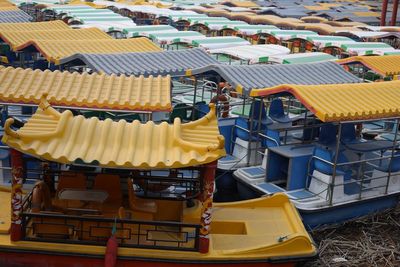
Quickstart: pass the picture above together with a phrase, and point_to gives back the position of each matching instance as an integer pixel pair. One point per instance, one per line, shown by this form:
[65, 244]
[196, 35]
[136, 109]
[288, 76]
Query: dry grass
[370, 241]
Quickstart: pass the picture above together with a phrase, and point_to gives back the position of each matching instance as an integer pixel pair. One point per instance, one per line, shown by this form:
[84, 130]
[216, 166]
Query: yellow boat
[149, 186]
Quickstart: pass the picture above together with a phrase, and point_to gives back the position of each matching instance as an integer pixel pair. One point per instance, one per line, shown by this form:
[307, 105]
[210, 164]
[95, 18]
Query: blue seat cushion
[299, 194]
[282, 119]
[228, 158]
[254, 171]
[270, 188]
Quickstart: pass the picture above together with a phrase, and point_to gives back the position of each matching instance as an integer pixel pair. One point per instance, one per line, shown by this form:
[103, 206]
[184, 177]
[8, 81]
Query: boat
[148, 187]
[339, 165]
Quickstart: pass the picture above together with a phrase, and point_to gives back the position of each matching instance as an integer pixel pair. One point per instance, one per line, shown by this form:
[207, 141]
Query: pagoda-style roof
[85, 91]
[65, 138]
[344, 102]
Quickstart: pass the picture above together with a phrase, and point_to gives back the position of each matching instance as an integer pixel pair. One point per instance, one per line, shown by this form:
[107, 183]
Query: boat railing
[181, 188]
[362, 178]
[91, 229]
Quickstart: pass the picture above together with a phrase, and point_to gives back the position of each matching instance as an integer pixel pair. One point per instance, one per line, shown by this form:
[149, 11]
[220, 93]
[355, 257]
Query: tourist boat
[147, 188]
[342, 163]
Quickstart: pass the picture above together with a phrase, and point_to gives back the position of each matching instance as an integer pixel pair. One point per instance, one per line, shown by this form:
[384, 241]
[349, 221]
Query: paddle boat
[145, 188]
[341, 163]
[238, 81]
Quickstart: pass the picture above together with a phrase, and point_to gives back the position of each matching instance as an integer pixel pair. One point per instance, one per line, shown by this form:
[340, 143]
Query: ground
[371, 241]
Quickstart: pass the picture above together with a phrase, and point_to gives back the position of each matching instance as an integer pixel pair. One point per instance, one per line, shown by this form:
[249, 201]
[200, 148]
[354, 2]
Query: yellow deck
[246, 229]
[5, 214]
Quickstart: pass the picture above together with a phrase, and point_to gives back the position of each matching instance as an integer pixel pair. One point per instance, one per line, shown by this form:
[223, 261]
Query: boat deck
[255, 229]
[5, 214]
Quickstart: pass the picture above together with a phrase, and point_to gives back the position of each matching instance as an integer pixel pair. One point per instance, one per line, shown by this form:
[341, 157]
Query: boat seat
[72, 180]
[112, 185]
[277, 113]
[269, 188]
[253, 174]
[381, 174]
[139, 204]
[228, 158]
[301, 194]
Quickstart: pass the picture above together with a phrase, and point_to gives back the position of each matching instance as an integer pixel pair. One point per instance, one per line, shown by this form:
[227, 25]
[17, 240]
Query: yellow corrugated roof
[8, 8]
[313, 18]
[19, 38]
[341, 102]
[317, 8]
[241, 3]
[94, 91]
[384, 65]
[266, 19]
[53, 51]
[345, 23]
[367, 14]
[34, 26]
[64, 138]
[5, 4]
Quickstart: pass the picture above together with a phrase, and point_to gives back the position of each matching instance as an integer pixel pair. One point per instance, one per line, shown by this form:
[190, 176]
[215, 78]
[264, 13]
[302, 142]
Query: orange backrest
[112, 185]
[71, 180]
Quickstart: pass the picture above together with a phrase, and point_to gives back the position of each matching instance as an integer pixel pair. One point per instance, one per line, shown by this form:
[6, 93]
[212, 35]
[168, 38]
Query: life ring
[224, 99]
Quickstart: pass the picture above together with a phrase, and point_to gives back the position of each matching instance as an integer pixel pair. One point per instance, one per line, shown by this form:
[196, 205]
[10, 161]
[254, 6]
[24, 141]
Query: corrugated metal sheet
[63, 138]
[247, 77]
[384, 65]
[34, 26]
[341, 102]
[54, 51]
[14, 16]
[27, 86]
[19, 38]
[173, 62]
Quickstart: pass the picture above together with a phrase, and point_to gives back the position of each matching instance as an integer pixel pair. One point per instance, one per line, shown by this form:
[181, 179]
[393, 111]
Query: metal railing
[95, 230]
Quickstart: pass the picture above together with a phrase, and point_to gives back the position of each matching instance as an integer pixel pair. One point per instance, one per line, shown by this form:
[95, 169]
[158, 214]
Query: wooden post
[384, 11]
[394, 12]
[207, 200]
[17, 171]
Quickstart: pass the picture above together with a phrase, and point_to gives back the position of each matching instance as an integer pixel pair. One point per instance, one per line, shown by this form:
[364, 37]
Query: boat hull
[348, 211]
[337, 214]
[40, 259]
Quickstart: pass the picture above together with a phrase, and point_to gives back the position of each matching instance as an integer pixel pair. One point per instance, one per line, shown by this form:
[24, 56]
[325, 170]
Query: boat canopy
[289, 34]
[244, 78]
[172, 37]
[147, 30]
[54, 51]
[253, 53]
[384, 65]
[369, 34]
[14, 16]
[34, 26]
[327, 40]
[365, 48]
[92, 91]
[216, 42]
[301, 58]
[20, 38]
[344, 102]
[65, 138]
[253, 29]
[172, 62]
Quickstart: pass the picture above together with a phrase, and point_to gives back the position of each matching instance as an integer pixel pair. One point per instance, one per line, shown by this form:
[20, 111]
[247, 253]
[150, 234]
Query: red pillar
[394, 13]
[17, 171]
[207, 200]
[384, 11]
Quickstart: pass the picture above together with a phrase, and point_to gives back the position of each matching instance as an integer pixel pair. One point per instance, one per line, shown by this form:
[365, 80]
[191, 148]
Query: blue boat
[339, 164]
